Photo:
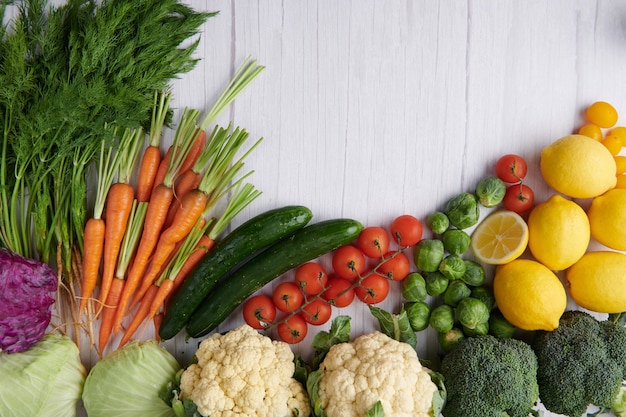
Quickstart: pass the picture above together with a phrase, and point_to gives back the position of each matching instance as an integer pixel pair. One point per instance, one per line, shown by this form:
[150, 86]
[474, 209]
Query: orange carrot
[108, 313]
[194, 152]
[147, 172]
[162, 170]
[157, 320]
[94, 246]
[139, 316]
[187, 182]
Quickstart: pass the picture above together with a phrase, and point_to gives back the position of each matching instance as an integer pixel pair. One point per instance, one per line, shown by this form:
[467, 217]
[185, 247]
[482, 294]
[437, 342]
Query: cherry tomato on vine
[518, 198]
[317, 312]
[406, 230]
[293, 330]
[311, 277]
[339, 292]
[373, 289]
[373, 241]
[348, 262]
[396, 266]
[287, 296]
[511, 168]
[259, 311]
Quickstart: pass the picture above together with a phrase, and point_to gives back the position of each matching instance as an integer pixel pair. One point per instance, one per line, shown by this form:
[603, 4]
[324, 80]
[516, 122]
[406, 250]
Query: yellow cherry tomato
[620, 132]
[591, 130]
[602, 114]
[613, 144]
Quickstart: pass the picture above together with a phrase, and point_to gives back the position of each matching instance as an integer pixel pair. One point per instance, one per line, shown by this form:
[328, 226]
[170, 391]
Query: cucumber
[249, 238]
[306, 244]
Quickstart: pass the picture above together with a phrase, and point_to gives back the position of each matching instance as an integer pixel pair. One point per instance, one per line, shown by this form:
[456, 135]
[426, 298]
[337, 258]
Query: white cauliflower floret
[244, 373]
[375, 367]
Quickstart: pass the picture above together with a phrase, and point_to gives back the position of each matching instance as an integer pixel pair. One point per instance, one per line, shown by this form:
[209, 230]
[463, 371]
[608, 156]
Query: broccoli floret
[582, 362]
[490, 377]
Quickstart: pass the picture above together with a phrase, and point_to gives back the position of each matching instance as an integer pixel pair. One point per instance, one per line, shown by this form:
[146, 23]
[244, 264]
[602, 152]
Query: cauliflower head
[372, 368]
[244, 373]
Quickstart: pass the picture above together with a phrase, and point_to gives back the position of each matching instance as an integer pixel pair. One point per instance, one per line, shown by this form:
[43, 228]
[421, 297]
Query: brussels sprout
[474, 273]
[452, 267]
[472, 312]
[499, 326]
[484, 294]
[438, 222]
[450, 339]
[419, 314]
[455, 241]
[479, 330]
[442, 318]
[414, 287]
[456, 291]
[428, 254]
[463, 210]
[490, 191]
[436, 283]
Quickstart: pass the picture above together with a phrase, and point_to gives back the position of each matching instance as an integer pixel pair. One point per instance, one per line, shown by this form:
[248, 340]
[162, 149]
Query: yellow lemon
[529, 295]
[578, 166]
[558, 232]
[500, 238]
[607, 217]
[597, 281]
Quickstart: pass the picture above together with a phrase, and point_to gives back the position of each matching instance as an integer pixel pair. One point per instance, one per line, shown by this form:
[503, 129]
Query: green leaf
[440, 396]
[312, 387]
[396, 326]
[323, 341]
[376, 410]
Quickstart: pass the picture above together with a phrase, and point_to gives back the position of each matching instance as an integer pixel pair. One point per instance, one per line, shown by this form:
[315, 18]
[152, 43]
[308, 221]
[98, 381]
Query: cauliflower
[244, 373]
[355, 375]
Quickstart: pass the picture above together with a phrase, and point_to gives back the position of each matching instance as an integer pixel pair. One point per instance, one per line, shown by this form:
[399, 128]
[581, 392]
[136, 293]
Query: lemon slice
[500, 238]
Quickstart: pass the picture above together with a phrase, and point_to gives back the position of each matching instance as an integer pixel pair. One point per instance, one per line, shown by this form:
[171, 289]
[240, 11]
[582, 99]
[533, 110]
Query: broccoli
[490, 377]
[581, 363]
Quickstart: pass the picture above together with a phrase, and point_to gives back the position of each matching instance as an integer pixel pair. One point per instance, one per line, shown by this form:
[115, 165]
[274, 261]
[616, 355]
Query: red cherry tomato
[317, 312]
[396, 266]
[373, 289]
[339, 292]
[293, 330]
[511, 168]
[311, 277]
[518, 198]
[348, 262]
[259, 311]
[406, 230]
[287, 296]
[373, 241]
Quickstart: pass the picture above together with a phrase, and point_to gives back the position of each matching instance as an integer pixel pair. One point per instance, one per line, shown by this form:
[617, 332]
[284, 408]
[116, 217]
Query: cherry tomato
[406, 230]
[396, 266]
[317, 312]
[602, 114]
[293, 330]
[511, 168]
[287, 296]
[373, 289]
[518, 198]
[348, 262]
[373, 241]
[339, 292]
[311, 277]
[259, 311]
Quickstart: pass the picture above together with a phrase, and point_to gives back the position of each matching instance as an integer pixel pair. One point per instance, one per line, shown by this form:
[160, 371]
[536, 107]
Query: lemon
[529, 295]
[597, 281]
[558, 232]
[607, 217]
[578, 166]
[500, 238]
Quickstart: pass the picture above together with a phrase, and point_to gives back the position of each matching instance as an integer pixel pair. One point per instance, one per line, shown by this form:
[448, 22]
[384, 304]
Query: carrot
[157, 320]
[194, 152]
[108, 313]
[187, 182]
[139, 316]
[162, 169]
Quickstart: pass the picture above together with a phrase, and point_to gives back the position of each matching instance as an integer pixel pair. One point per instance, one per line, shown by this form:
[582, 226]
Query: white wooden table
[371, 109]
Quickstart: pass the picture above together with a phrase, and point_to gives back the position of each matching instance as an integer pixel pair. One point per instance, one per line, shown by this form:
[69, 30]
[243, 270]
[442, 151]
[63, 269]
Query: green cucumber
[306, 244]
[249, 238]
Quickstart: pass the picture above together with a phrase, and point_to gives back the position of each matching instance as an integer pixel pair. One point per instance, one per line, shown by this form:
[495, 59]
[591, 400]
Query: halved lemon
[500, 238]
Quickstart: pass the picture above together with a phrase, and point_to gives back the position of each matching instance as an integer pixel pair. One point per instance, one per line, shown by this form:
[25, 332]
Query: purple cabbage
[27, 292]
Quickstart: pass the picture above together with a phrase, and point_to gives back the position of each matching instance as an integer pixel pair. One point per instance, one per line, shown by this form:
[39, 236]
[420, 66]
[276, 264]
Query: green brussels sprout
[442, 318]
[414, 287]
[490, 191]
[499, 326]
[456, 291]
[463, 210]
[450, 339]
[436, 283]
[484, 294]
[474, 273]
[479, 330]
[438, 222]
[418, 313]
[452, 267]
[455, 241]
[471, 312]
[428, 254]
